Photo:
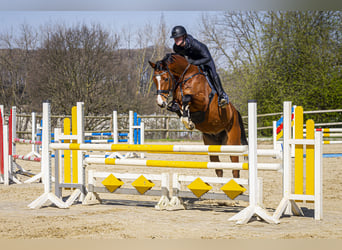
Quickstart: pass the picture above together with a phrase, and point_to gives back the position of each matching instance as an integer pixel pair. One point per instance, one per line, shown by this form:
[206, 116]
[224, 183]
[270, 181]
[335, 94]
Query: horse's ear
[153, 65]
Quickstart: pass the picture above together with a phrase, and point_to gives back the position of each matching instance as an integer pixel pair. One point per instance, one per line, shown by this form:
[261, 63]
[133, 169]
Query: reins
[174, 84]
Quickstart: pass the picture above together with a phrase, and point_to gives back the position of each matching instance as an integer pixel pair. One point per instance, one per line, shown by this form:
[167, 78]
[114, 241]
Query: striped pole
[98, 134]
[24, 141]
[327, 130]
[331, 142]
[99, 141]
[181, 164]
[27, 158]
[151, 148]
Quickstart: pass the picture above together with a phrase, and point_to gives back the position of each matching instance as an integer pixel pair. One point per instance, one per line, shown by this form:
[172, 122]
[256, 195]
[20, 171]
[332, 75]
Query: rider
[198, 54]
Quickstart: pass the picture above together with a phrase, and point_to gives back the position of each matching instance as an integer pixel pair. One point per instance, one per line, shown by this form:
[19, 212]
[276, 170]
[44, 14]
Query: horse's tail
[243, 132]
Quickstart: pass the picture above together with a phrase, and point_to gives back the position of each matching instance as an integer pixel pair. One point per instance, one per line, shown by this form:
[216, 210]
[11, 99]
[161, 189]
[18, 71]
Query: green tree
[278, 56]
[302, 50]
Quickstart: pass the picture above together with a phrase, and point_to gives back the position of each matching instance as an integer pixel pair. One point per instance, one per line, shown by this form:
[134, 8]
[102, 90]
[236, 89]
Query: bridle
[172, 87]
[162, 92]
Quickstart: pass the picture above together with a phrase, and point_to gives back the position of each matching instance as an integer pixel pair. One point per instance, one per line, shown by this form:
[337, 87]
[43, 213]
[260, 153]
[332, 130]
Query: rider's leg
[222, 96]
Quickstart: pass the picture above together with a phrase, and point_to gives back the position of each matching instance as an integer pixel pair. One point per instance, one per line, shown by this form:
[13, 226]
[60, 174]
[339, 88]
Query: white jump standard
[255, 201]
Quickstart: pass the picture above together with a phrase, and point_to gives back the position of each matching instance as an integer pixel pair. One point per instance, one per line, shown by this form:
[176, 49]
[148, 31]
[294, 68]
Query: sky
[115, 20]
[118, 14]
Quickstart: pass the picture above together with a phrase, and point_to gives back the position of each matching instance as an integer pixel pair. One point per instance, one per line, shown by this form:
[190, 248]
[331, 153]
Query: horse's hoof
[187, 123]
[191, 125]
[223, 104]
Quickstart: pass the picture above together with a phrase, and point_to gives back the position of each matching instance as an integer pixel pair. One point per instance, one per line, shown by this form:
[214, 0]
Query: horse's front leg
[186, 113]
[174, 107]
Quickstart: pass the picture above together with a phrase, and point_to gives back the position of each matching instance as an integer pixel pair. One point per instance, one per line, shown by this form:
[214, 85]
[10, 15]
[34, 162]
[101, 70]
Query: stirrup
[223, 101]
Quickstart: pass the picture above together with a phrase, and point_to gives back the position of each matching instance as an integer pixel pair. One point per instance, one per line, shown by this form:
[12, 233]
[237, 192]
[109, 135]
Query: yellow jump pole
[310, 159]
[299, 157]
[67, 157]
[74, 153]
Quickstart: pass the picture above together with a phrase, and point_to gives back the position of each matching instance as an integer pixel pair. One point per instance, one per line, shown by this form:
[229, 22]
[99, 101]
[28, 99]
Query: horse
[196, 104]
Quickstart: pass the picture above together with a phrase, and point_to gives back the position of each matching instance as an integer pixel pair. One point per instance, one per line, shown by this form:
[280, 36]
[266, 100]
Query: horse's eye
[166, 79]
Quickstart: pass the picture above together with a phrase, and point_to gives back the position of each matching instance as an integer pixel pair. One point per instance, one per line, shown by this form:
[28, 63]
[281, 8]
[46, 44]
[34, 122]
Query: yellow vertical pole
[299, 172]
[67, 158]
[74, 152]
[310, 159]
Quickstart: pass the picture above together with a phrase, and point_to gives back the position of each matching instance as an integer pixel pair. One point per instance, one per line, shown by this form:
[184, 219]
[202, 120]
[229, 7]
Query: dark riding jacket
[197, 54]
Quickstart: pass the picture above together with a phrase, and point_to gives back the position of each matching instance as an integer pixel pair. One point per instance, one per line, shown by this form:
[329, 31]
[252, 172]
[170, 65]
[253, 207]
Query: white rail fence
[160, 126]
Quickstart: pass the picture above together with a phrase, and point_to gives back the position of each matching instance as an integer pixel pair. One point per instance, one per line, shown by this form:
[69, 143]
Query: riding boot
[222, 96]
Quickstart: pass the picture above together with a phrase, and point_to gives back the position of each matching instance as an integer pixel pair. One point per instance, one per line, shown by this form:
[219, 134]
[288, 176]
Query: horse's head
[163, 79]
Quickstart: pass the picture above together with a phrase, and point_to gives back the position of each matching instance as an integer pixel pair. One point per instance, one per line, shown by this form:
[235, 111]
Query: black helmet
[178, 31]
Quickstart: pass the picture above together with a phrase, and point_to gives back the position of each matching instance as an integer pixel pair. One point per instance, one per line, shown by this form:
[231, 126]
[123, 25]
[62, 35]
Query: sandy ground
[134, 217]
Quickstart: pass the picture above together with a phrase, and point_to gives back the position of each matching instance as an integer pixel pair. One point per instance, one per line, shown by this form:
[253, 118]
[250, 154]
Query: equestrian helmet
[178, 31]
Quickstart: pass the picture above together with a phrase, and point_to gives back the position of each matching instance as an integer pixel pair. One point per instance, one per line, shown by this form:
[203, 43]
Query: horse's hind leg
[236, 173]
[215, 140]
[234, 139]
[219, 172]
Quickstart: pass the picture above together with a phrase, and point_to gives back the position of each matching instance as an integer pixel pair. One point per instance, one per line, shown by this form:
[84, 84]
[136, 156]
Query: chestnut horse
[196, 104]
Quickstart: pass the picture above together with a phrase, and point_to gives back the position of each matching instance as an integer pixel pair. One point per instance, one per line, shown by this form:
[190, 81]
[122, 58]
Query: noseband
[162, 91]
[165, 93]
[177, 83]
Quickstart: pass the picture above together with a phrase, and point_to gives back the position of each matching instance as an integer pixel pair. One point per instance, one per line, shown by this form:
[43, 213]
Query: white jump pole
[13, 164]
[2, 177]
[318, 175]
[48, 195]
[287, 206]
[33, 131]
[254, 208]
[142, 137]
[274, 135]
[7, 165]
[14, 129]
[288, 203]
[115, 127]
[80, 139]
[131, 129]
[35, 148]
[293, 128]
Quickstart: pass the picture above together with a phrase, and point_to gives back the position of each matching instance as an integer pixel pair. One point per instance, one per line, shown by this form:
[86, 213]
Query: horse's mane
[168, 58]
